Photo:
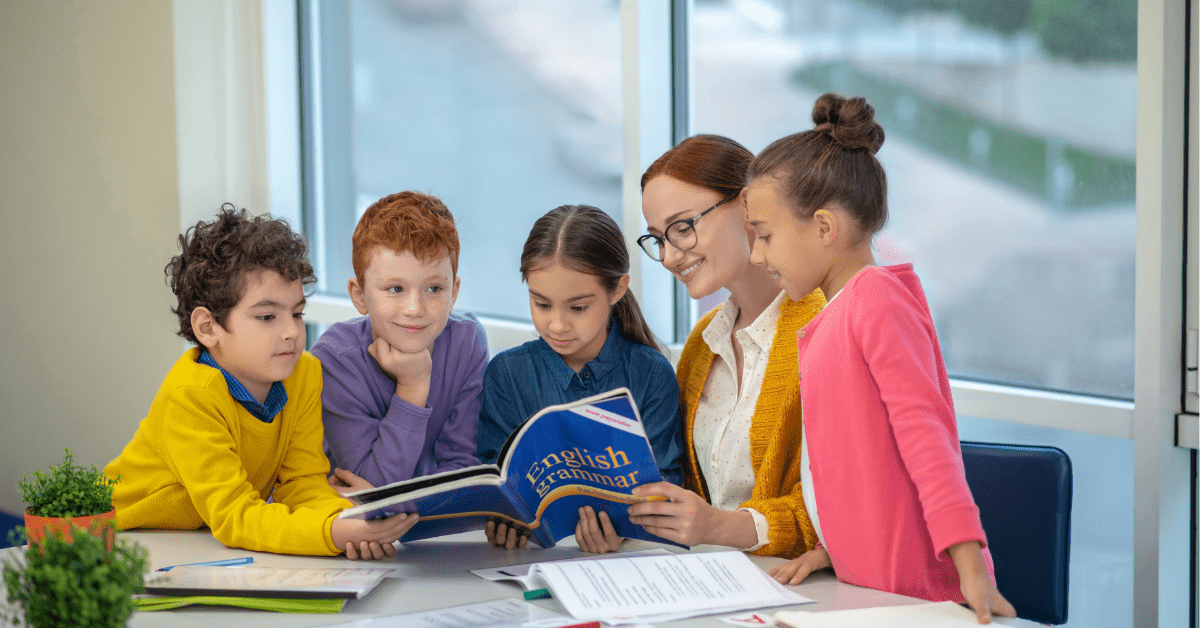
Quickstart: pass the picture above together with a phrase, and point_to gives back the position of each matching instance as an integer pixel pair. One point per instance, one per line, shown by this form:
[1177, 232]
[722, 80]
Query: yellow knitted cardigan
[774, 429]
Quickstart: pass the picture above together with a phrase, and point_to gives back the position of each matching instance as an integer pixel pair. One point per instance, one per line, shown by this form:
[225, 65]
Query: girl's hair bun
[850, 122]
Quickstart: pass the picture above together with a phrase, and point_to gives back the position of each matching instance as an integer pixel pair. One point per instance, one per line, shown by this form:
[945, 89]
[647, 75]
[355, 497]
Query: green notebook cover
[281, 605]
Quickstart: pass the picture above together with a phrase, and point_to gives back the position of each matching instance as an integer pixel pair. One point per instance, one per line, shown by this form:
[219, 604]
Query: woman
[737, 373]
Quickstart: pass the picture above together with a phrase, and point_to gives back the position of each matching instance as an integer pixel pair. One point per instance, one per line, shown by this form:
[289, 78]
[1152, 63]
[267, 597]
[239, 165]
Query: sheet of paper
[931, 615]
[662, 588]
[520, 573]
[505, 613]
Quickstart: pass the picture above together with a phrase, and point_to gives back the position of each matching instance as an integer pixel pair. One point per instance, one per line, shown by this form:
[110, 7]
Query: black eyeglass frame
[664, 238]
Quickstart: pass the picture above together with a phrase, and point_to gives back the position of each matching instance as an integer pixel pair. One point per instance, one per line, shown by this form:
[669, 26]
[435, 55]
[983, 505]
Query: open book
[588, 453]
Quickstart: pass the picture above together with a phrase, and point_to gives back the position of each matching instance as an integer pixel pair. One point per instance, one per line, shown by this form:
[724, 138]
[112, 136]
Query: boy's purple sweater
[384, 439]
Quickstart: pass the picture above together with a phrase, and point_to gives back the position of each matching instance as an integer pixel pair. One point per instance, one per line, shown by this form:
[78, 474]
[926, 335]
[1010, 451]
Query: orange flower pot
[105, 524]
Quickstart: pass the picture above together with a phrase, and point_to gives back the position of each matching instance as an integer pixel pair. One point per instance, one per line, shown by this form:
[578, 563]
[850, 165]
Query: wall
[89, 212]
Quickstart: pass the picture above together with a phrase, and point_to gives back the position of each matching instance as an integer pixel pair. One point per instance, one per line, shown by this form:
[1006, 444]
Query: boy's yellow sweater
[199, 458]
[774, 430]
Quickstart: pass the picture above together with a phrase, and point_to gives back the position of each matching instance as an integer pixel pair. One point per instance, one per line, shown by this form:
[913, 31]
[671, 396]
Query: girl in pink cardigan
[880, 459]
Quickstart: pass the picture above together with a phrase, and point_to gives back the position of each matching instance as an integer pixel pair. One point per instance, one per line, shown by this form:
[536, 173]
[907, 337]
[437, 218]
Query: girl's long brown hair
[587, 240]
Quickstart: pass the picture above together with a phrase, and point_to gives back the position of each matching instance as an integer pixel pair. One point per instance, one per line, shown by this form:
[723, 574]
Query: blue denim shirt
[265, 412]
[523, 380]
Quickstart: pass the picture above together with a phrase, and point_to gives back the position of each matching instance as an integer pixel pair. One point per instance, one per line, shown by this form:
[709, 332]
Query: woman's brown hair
[712, 162]
[587, 240]
[832, 164]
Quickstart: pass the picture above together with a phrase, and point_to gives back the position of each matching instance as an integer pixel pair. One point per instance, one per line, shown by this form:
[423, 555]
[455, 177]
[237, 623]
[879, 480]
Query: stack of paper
[662, 588]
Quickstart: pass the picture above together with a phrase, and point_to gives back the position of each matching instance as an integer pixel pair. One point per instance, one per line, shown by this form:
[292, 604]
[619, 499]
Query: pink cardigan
[882, 439]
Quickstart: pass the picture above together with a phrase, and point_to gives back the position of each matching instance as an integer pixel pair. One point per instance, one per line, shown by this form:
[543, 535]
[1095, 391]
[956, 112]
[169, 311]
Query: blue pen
[229, 562]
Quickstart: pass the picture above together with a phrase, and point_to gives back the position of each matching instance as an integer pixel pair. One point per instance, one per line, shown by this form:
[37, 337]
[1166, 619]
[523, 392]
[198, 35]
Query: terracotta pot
[36, 527]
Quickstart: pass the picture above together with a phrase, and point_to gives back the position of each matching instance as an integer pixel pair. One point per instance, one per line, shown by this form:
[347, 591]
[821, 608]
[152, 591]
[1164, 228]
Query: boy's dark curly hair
[216, 257]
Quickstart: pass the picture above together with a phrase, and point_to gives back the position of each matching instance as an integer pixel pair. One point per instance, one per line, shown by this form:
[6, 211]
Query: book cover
[267, 582]
[591, 452]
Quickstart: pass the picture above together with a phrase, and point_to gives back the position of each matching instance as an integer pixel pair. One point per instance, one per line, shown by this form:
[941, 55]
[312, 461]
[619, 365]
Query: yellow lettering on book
[613, 454]
[542, 474]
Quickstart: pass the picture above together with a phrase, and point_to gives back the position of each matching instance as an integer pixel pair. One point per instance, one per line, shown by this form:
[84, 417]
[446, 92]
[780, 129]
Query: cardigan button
[801, 333]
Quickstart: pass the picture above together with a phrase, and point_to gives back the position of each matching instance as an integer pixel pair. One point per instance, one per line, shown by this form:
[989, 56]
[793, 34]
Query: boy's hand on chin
[410, 370]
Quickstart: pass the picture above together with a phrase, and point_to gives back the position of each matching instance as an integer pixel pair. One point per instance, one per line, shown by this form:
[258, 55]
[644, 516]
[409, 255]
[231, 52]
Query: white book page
[659, 588]
[520, 573]
[931, 615]
[496, 614]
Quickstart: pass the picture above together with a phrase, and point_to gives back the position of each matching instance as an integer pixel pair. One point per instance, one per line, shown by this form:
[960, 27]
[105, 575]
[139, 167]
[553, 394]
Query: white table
[434, 574]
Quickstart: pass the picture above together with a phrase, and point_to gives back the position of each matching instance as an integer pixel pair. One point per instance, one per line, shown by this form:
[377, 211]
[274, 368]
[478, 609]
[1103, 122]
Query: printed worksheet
[506, 613]
[662, 588]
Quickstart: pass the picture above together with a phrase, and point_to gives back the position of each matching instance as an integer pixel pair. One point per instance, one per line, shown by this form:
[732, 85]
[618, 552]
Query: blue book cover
[588, 453]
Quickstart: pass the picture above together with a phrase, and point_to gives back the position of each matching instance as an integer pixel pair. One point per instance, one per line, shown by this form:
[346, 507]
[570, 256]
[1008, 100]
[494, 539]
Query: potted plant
[68, 495]
[73, 582]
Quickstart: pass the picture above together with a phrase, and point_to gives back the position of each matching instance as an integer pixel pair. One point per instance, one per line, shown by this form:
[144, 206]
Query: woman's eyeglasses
[681, 234]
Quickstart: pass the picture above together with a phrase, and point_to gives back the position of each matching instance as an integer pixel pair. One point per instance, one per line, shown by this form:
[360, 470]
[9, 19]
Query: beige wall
[89, 208]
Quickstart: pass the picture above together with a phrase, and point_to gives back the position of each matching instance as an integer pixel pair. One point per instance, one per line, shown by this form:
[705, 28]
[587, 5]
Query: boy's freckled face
[262, 337]
[408, 299]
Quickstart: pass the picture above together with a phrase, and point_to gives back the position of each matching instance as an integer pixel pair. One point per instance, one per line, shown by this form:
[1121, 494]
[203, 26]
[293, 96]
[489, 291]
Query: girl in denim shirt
[592, 338]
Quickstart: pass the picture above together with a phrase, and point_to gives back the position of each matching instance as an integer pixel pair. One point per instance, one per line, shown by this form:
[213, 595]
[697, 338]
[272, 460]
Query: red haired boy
[401, 384]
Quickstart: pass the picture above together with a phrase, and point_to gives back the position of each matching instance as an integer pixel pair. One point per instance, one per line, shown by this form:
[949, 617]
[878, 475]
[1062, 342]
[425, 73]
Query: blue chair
[7, 523]
[1024, 498]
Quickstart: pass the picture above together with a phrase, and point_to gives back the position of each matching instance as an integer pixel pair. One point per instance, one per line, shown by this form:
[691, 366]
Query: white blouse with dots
[721, 431]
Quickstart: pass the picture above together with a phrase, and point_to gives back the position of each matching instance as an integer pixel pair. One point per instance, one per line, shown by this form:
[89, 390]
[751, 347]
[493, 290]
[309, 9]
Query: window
[1009, 153]
[1010, 158]
[503, 110]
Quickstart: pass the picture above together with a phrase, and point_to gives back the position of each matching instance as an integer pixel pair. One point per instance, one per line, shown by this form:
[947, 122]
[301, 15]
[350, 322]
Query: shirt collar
[761, 331]
[265, 412]
[599, 366]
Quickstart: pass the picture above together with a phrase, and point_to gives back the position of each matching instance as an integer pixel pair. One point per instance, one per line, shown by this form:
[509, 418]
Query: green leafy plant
[73, 583]
[68, 490]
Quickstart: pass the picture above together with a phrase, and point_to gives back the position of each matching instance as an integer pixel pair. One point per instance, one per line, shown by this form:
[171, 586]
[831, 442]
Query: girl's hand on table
[977, 587]
[797, 569]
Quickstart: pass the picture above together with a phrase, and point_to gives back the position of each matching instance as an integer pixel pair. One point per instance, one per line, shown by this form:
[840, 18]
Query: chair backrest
[1024, 498]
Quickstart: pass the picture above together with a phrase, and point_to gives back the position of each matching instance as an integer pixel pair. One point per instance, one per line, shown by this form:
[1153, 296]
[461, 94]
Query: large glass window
[503, 110]
[1009, 153]
[1010, 159]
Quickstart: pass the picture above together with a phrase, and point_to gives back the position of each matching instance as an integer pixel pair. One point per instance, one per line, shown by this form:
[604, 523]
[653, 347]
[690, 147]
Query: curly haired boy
[233, 439]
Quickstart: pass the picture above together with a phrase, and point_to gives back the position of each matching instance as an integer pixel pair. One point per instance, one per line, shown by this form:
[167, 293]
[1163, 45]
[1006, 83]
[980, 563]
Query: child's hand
[345, 482]
[977, 587]
[501, 534]
[594, 533]
[797, 569]
[410, 370]
[367, 540]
